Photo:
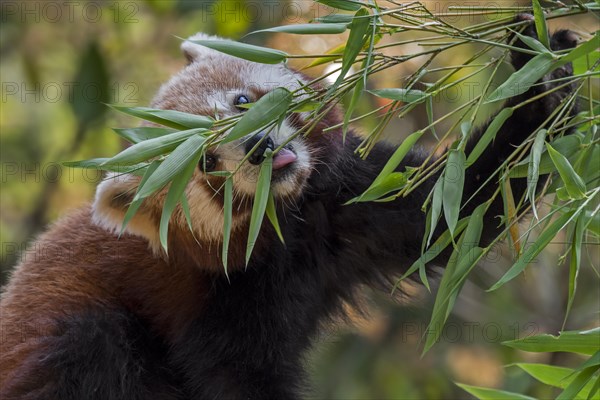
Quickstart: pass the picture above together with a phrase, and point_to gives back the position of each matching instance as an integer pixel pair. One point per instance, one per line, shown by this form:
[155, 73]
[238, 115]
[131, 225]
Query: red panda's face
[217, 85]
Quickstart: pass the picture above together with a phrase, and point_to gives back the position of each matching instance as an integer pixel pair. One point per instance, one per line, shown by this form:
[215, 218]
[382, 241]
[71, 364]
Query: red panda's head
[214, 84]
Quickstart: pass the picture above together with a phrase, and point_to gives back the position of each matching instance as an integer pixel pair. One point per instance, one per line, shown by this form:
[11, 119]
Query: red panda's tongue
[283, 158]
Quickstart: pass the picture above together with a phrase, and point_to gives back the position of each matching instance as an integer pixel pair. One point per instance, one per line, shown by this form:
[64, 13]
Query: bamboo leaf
[540, 23]
[435, 250]
[454, 179]
[227, 218]
[510, 213]
[100, 164]
[566, 145]
[186, 211]
[341, 4]
[358, 29]
[533, 169]
[260, 202]
[583, 49]
[524, 78]
[493, 394]
[473, 232]
[187, 153]
[532, 251]
[551, 375]
[308, 29]
[356, 94]
[490, 134]
[573, 182]
[587, 342]
[267, 109]
[533, 43]
[578, 384]
[335, 18]
[169, 118]
[137, 135]
[404, 95]
[135, 204]
[245, 51]
[174, 195]
[392, 182]
[152, 147]
[398, 155]
[272, 215]
[436, 206]
[575, 261]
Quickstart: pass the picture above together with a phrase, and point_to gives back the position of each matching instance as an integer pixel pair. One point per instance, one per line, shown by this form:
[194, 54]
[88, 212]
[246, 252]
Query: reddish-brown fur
[77, 265]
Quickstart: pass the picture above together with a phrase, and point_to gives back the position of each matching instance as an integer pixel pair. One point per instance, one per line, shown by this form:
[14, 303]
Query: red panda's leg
[94, 355]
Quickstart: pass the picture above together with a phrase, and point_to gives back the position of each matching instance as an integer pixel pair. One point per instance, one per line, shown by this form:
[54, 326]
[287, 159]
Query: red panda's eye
[240, 100]
[208, 163]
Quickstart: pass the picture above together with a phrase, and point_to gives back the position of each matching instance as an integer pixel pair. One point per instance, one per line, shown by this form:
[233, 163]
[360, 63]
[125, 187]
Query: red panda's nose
[257, 155]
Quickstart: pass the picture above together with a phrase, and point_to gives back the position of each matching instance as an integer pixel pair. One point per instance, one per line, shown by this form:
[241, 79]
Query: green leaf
[454, 179]
[533, 250]
[341, 4]
[540, 23]
[185, 206]
[137, 135]
[169, 118]
[174, 195]
[152, 147]
[245, 51]
[308, 29]
[493, 394]
[135, 204]
[583, 49]
[524, 78]
[561, 377]
[464, 257]
[227, 218]
[261, 199]
[187, 153]
[473, 232]
[551, 375]
[533, 43]
[99, 164]
[358, 29]
[489, 135]
[392, 182]
[566, 145]
[335, 18]
[573, 182]
[272, 215]
[575, 261]
[404, 95]
[435, 250]
[267, 109]
[356, 95]
[587, 342]
[436, 206]
[398, 155]
[533, 169]
[578, 384]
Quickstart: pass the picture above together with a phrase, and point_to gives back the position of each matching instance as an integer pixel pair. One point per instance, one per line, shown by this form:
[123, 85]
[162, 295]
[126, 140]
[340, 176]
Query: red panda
[91, 315]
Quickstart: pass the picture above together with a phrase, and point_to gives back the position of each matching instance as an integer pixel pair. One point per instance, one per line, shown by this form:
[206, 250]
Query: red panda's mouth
[283, 158]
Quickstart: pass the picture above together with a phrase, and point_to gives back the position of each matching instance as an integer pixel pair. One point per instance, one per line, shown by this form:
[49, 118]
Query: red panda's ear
[113, 197]
[194, 52]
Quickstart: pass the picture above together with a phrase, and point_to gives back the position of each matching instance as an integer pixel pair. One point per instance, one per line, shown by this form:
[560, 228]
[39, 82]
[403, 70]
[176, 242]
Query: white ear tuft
[194, 52]
[113, 197]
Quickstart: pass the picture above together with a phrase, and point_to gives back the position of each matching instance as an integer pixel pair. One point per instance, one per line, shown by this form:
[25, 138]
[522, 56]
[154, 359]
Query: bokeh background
[62, 61]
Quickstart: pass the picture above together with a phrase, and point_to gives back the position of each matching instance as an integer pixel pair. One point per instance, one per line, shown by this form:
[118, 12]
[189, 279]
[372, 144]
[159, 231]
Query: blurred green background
[61, 61]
